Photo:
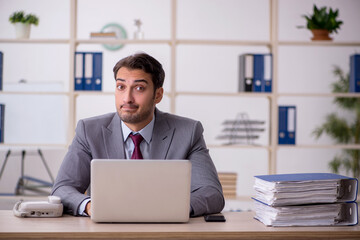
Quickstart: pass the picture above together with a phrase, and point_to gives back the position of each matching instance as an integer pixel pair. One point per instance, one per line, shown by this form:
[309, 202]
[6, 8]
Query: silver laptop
[140, 190]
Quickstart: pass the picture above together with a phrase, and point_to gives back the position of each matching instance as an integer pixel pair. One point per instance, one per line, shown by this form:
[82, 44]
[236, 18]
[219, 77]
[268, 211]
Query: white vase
[22, 30]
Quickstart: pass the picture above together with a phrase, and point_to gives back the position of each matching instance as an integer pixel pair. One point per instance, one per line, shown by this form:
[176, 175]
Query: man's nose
[128, 96]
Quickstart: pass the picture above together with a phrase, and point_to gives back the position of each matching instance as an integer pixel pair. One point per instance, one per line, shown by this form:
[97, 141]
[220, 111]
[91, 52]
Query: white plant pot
[22, 30]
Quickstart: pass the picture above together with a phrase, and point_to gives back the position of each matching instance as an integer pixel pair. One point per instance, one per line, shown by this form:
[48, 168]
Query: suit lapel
[161, 138]
[113, 139]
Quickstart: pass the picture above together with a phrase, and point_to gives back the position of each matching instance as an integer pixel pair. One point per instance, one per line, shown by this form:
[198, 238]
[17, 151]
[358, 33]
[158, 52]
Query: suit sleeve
[206, 191]
[73, 177]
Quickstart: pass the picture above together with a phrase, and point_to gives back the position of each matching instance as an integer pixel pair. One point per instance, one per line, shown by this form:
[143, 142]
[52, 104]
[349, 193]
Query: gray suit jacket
[173, 137]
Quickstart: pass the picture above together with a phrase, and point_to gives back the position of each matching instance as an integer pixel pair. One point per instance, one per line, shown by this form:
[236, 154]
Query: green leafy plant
[20, 17]
[341, 130]
[323, 19]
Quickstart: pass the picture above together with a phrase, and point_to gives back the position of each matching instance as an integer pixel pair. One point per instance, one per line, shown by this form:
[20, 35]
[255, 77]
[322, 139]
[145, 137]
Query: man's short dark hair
[146, 63]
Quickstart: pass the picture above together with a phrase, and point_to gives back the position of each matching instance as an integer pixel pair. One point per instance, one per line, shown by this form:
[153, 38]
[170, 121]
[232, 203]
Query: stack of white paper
[294, 192]
[306, 215]
[314, 199]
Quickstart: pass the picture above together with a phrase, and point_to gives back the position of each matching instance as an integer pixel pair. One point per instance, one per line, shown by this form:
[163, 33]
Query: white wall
[205, 68]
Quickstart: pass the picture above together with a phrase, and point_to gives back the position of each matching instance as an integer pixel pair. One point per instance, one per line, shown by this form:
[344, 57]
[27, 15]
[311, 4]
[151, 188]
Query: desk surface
[239, 225]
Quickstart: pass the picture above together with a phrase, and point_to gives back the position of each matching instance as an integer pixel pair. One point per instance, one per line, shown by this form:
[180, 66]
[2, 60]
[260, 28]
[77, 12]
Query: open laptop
[140, 190]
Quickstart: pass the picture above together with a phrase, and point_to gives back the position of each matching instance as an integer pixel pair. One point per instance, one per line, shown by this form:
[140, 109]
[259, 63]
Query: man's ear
[159, 95]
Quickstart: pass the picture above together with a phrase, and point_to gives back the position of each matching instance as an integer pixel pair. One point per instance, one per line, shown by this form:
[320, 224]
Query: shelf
[238, 146]
[318, 146]
[101, 93]
[346, 95]
[41, 41]
[142, 41]
[220, 94]
[315, 146]
[271, 44]
[33, 93]
[122, 41]
[237, 94]
[15, 146]
[87, 41]
[180, 41]
[319, 43]
[92, 93]
[211, 94]
[262, 94]
[224, 42]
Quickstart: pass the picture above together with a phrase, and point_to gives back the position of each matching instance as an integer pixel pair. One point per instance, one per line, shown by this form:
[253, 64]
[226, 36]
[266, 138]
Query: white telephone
[39, 209]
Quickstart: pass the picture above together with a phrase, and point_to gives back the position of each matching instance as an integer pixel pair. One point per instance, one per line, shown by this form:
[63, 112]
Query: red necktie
[137, 139]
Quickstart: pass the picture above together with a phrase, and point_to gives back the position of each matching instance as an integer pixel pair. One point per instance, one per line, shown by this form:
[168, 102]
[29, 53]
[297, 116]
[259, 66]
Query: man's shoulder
[176, 119]
[99, 120]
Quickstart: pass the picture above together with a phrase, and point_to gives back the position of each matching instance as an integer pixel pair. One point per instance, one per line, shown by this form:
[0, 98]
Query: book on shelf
[287, 125]
[228, 183]
[258, 69]
[227, 176]
[306, 199]
[88, 71]
[246, 74]
[354, 84]
[79, 71]
[267, 77]
[255, 72]
[2, 122]
[103, 35]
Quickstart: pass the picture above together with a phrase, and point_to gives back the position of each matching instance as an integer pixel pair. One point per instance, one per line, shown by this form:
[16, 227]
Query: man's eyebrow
[136, 81]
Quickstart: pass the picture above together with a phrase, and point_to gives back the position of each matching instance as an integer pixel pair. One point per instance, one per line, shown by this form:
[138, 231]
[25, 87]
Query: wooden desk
[238, 226]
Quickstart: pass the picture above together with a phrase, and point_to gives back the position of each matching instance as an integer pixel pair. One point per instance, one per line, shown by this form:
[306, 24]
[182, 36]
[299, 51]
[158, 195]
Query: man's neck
[146, 131]
[137, 127]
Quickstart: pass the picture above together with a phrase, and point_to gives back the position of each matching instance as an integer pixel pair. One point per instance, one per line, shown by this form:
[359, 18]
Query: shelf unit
[273, 45]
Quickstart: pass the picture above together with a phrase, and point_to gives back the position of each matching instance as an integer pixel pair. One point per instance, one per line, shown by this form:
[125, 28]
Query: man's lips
[129, 107]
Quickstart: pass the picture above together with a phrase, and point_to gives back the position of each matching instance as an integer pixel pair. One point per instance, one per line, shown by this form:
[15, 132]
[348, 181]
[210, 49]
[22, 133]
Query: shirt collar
[146, 132]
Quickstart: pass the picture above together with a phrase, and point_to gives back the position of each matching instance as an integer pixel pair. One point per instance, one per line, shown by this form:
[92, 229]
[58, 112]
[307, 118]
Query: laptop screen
[140, 190]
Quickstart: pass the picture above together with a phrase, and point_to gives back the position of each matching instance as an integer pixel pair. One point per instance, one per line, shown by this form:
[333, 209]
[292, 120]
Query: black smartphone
[215, 218]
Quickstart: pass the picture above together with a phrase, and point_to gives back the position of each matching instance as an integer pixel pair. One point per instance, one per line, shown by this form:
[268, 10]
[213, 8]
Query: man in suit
[139, 80]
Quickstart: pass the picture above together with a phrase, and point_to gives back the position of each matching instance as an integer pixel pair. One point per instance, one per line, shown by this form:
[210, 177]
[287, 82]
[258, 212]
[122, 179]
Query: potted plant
[342, 130]
[22, 23]
[322, 23]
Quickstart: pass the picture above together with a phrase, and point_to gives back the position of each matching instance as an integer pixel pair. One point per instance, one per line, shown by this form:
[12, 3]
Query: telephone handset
[51, 208]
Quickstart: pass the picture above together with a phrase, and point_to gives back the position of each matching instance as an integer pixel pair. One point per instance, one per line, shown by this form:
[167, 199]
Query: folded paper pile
[306, 199]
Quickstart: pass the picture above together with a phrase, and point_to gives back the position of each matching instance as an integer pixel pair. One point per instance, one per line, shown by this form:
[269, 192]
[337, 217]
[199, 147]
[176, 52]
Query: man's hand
[87, 208]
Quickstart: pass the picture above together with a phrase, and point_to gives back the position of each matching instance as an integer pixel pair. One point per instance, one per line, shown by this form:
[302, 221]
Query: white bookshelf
[173, 42]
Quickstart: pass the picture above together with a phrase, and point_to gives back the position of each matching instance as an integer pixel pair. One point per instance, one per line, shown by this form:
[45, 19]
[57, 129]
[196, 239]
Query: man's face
[135, 98]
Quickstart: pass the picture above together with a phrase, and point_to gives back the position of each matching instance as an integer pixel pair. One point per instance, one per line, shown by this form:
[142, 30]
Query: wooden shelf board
[314, 146]
[122, 41]
[224, 94]
[223, 42]
[243, 146]
[347, 95]
[31, 145]
[319, 146]
[92, 93]
[221, 94]
[33, 93]
[319, 43]
[42, 41]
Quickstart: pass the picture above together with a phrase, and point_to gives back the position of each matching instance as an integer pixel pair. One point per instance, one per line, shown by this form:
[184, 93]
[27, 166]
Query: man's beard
[137, 117]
